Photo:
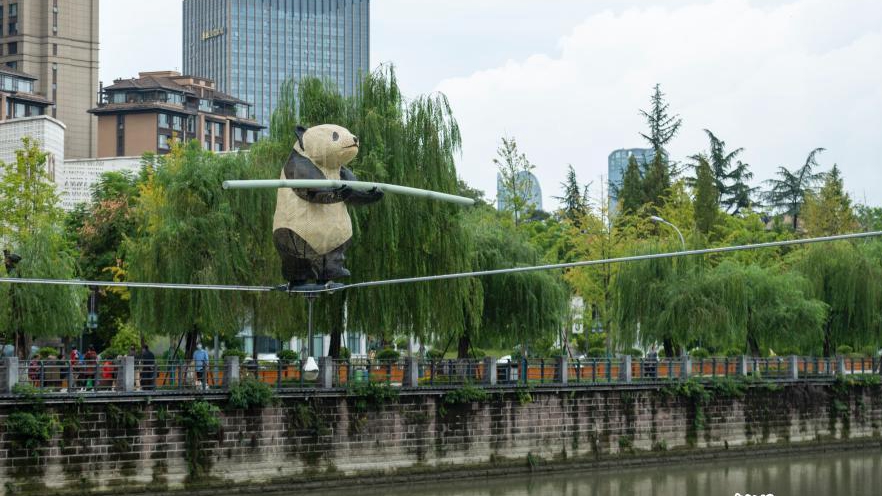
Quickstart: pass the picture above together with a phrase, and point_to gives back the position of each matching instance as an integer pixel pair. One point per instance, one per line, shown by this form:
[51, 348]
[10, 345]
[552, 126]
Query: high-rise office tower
[56, 41]
[617, 164]
[251, 47]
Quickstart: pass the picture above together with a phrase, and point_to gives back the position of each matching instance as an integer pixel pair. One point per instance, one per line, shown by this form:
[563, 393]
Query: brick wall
[139, 444]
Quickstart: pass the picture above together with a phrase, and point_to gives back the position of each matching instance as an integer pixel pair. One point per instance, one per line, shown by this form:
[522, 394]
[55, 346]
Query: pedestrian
[90, 367]
[200, 361]
[148, 368]
[108, 373]
[34, 370]
[72, 371]
[652, 359]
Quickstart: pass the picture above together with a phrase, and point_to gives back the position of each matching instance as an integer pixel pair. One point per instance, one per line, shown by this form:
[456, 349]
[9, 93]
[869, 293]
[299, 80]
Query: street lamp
[658, 219]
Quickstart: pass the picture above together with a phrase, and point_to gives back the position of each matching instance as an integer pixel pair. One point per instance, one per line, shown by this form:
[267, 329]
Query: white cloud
[778, 80]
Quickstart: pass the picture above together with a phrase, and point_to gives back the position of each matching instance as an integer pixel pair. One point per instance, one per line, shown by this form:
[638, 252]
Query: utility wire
[408, 280]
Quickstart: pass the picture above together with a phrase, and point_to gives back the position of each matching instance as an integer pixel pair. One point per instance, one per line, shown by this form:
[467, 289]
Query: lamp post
[659, 220]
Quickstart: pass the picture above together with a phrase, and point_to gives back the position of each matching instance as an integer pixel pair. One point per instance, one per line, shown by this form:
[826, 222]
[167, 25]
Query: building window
[252, 136]
[7, 83]
[19, 109]
[163, 141]
[218, 147]
[205, 105]
[353, 342]
[237, 134]
[12, 48]
[55, 49]
[13, 29]
[177, 123]
[12, 64]
[191, 125]
[218, 129]
[13, 10]
[118, 97]
[25, 86]
[163, 120]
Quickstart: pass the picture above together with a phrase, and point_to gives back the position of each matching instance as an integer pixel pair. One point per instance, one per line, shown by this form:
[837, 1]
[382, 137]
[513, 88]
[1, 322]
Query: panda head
[328, 146]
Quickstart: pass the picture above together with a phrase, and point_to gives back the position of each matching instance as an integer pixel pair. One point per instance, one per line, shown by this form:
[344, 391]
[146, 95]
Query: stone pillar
[686, 370]
[793, 367]
[411, 372]
[10, 375]
[840, 365]
[125, 374]
[490, 375]
[625, 372]
[742, 365]
[326, 373]
[231, 371]
[563, 370]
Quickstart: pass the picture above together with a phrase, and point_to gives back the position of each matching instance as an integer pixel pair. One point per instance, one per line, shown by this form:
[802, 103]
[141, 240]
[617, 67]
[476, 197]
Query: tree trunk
[463, 346]
[828, 346]
[668, 345]
[190, 345]
[336, 338]
[22, 344]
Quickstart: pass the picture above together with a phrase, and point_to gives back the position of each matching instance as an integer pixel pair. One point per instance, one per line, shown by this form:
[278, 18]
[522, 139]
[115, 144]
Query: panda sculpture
[311, 227]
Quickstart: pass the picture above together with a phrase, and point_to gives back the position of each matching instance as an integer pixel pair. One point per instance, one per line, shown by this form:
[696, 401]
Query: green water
[835, 473]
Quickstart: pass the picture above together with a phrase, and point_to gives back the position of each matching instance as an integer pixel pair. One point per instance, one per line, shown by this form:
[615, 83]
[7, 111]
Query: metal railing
[64, 376]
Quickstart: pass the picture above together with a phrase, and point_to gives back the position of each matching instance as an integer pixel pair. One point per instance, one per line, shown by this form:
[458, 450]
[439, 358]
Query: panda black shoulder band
[356, 185]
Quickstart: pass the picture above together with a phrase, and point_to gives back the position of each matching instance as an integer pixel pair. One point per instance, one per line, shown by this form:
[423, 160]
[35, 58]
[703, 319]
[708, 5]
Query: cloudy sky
[567, 77]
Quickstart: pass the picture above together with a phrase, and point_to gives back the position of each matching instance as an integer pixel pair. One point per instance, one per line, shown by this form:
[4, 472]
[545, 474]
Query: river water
[835, 473]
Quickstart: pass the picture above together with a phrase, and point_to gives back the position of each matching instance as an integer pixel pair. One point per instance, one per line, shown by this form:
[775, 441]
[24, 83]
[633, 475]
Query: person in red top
[91, 367]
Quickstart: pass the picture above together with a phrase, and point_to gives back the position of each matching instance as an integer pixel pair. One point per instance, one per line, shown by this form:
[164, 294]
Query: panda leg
[298, 258]
[332, 264]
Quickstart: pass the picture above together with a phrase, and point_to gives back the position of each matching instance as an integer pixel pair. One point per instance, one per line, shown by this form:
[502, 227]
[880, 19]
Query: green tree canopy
[787, 194]
[514, 171]
[829, 211]
[707, 207]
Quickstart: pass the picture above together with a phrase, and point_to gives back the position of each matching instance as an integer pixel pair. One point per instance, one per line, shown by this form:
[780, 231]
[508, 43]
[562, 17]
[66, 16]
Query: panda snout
[355, 139]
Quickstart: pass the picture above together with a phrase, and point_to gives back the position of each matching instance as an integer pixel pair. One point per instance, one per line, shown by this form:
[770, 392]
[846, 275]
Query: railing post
[742, 365]
[625, 372]
[563, 370]
[231, 371]
[411, 372]
[10, 375]
[326, 373]
[686, 369]
[794, 367]
[840, 365]
[125, 376]
[490, 371]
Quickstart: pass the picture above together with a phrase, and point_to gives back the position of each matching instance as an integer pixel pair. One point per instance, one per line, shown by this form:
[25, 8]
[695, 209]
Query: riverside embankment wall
[125, 444]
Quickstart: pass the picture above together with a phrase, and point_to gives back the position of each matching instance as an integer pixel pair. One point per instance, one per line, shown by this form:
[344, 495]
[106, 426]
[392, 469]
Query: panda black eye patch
[335, 136]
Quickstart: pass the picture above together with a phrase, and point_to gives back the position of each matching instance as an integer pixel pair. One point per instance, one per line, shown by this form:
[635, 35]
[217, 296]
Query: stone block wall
[139, 443]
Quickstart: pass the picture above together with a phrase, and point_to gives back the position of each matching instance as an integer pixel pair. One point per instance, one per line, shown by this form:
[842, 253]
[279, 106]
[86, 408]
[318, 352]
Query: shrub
[597, 352]
[788, 351]
[634, 352]
[288, 355]
[435, 354]
[345, 354]
[869, 351]
[733, 352]
[29, 430]
[465, 395]
[250, 394]
[699, 353]
[844, 349]
[580, 342]
[47, 351]
[596, 340]
[199, 420]
[388, 354]
[401, 344]
[25, 389]
[233, 352]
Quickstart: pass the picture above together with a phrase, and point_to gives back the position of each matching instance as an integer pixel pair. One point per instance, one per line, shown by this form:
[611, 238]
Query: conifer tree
[631, 194]
[788, 193]
[707, 205]
[829, 211]
[574, 199]
[662, 126]
[656, 182]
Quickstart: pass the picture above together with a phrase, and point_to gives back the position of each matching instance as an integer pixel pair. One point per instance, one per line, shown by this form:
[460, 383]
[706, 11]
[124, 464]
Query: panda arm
[300, 167]
[360, 197]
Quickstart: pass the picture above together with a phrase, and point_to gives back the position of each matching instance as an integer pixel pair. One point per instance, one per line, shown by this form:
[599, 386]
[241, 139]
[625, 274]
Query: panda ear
[300, 131]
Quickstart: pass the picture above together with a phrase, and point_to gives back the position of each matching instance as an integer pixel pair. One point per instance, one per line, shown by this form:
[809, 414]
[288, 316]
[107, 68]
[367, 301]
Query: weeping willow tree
[190, 231]
[746, 307]
[641, 295]
[846, 277]
[512, 309]
[411, 143]
[36, 310]
[30, 229]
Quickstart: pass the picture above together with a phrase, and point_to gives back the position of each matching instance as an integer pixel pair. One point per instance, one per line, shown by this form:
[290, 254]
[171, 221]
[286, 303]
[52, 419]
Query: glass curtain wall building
[251, 47]
[617, 164]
